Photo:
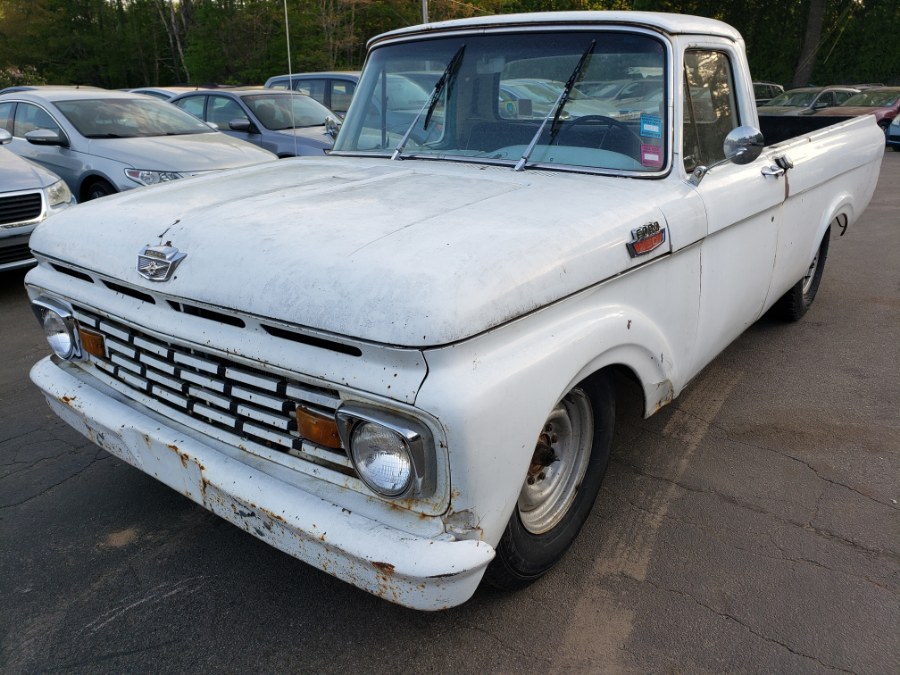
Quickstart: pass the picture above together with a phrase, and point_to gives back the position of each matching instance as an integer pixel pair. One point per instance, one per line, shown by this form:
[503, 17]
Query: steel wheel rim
[810, 274]
[549, 491]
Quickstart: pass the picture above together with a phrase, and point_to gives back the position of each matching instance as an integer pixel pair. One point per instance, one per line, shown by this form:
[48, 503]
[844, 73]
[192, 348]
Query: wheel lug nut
[542, 475]
[531, 480]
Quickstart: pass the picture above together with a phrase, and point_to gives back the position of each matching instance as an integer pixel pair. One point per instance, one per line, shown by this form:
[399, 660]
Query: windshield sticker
[651, 126]
[651, 155]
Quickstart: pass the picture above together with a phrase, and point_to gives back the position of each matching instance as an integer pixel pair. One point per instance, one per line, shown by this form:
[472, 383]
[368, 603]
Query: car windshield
[874, 99]
[501, 90]
[287, 111]
[794, 99]
[129, 118]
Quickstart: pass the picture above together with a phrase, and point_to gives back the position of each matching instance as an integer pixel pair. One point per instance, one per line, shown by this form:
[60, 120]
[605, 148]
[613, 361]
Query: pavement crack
[47, 489]
[729, 499]
[739, 622]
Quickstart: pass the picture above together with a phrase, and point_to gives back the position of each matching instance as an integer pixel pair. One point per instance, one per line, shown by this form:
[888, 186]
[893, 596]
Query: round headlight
[59, 335]
[382, 459]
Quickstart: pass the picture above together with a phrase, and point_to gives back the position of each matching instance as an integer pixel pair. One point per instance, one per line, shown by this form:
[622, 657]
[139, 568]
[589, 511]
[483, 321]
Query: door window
[193, 105]
[825, 100]
[30, 117]
[313, 88]
[221, 110]
[6, 111]
[841, 96]
[341, 93]
[710, 109]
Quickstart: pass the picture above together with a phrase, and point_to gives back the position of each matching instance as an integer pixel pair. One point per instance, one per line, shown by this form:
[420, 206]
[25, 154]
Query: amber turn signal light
[318, 428]
[92, 342]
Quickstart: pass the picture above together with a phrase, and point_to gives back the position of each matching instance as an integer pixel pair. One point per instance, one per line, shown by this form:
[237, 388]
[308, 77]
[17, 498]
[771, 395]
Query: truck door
[743, 206]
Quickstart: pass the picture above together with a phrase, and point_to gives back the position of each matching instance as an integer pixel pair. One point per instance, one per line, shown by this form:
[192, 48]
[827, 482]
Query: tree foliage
[122, 43]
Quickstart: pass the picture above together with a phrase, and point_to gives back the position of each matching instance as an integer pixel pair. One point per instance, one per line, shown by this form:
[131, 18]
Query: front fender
[492, 393]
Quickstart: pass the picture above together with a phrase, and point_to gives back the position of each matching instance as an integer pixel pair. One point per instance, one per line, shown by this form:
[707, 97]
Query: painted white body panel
[471, 296]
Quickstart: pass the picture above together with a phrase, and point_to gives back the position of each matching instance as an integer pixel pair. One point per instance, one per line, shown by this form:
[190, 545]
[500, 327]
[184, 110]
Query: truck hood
[410, 253]
[185, 154]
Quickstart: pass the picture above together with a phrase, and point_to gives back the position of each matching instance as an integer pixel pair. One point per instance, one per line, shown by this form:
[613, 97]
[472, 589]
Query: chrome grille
[249, 403]
[17, 253]
[20, 208]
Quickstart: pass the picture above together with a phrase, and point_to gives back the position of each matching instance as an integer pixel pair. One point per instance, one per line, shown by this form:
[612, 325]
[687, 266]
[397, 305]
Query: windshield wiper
[439, 86]
[557, 108]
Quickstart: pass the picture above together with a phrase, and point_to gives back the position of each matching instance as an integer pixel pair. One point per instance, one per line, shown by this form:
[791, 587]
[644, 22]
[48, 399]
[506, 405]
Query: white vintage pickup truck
[398, 363]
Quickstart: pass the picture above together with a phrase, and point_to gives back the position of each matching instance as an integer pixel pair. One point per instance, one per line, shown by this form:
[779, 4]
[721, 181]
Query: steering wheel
[612, 123]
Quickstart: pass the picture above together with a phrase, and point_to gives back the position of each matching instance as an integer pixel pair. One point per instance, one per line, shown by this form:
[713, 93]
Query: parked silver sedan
[806, 100]
[28, 194]
[284, 122]
[101, 142]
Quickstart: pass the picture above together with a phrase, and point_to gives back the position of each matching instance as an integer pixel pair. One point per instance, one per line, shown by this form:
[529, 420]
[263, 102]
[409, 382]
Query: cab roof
[673, 24]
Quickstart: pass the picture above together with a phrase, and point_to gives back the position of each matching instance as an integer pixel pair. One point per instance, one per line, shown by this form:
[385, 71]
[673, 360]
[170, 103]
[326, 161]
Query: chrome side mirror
[742, 145]
[332, 126]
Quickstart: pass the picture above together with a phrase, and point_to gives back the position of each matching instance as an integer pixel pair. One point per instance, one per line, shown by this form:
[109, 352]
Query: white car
[28, 195]
[101, 142]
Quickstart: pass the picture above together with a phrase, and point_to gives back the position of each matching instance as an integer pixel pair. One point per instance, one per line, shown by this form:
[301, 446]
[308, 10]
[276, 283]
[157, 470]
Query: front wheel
[97, 188]
[567, 468]
[793, 304]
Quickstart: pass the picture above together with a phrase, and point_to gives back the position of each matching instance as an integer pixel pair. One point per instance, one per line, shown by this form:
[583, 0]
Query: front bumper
[411, 570]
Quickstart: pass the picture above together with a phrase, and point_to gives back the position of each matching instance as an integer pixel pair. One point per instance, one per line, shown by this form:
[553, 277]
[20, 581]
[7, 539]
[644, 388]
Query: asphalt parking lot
[751, 526]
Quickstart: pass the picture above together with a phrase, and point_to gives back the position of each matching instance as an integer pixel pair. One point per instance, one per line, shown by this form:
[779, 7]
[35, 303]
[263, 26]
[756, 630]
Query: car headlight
[59, 326]
[392, 454]
[145, 177]
[58, 193]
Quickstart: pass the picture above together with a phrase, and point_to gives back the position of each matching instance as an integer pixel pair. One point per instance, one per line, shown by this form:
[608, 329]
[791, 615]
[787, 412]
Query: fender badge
[157, 263]
[645, 239]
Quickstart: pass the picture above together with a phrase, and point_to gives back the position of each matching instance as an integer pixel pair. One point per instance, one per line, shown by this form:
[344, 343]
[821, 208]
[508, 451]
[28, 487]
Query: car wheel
[793, 304]
[568, 465]
[97, 188]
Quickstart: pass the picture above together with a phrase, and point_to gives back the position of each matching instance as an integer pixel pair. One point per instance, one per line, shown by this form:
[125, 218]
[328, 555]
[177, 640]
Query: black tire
[793, 305]
[523, 556]
[97, 188]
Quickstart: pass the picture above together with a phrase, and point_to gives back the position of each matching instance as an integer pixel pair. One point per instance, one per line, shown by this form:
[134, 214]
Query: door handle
[774, 171]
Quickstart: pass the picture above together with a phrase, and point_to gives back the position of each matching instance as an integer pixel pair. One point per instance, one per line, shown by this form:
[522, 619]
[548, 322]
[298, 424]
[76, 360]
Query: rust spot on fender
[387, 568]
[66, 400]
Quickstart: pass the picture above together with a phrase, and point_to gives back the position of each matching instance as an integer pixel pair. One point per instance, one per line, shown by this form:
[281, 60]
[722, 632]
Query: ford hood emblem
[157, 263]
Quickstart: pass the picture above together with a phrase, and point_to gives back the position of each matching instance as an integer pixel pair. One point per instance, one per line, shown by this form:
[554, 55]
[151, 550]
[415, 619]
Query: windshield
[794, 99]
[505, 85]
[129, 118]
[874, 99]
[287, 111]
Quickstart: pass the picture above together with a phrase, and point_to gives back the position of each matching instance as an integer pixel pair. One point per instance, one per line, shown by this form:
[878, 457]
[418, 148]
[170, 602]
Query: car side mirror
[245, 125]
[332, 126]
[5, 137]
[742, 146]
[47, 137]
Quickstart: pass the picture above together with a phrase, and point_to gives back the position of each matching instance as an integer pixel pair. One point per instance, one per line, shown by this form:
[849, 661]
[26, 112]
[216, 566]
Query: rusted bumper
[415, 571]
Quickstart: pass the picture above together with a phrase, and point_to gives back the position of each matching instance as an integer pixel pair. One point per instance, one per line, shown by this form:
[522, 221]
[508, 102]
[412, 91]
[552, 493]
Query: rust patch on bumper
[387, 568]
